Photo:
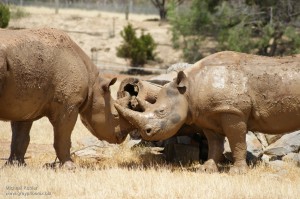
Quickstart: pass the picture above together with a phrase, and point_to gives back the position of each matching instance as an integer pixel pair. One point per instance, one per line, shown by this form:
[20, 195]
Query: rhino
[147, 90]
[225, 94]
[44, 73]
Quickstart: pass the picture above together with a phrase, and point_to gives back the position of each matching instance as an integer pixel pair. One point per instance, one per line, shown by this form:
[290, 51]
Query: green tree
[4, 15]
[266, 27]
[137, 49]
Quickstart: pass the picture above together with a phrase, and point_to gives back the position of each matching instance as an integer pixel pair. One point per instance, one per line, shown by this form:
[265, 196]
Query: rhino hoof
[68, 165]
[15, 163]
[207, 168]
[238, 169]
[53, 165]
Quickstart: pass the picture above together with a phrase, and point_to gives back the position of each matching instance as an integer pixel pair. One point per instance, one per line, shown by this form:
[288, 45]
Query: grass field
[131, 174]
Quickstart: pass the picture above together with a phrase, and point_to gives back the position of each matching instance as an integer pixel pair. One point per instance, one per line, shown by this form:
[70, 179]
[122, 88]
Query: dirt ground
[101, 31]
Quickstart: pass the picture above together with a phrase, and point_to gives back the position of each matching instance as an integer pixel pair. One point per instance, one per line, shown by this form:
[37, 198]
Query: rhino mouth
[149, 132]
[121, 136]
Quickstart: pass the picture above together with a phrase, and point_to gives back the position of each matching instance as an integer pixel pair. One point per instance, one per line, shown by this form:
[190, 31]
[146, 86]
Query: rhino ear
[181, 79]
[106, 86]
[181, 82]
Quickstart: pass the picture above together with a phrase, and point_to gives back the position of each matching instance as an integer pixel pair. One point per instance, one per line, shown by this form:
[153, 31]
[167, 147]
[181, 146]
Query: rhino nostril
[148, 131]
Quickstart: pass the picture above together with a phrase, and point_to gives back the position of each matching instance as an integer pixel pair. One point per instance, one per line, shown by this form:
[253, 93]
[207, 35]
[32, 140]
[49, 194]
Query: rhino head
[100, 115]
[164, 118]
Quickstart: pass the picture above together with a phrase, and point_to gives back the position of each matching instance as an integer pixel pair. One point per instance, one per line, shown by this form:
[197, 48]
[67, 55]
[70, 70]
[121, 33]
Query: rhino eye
[161, 112]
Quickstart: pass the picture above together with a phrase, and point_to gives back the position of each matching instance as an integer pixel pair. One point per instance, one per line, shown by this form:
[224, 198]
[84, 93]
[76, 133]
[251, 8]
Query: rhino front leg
[63, 127]
[235, 129]
[19, 143]
[215, 151]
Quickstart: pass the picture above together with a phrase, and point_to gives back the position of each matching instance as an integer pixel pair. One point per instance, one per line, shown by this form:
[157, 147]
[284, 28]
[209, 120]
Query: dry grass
[122, 182]
[137, 173]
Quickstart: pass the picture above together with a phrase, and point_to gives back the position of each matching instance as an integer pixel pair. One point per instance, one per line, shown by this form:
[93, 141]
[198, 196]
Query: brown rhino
[44, 73]
[226, 94]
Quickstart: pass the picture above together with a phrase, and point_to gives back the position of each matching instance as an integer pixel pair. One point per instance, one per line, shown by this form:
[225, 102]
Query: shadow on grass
[140, 158]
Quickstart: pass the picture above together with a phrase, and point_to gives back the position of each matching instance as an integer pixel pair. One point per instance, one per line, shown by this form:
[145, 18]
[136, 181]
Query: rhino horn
[134, 117]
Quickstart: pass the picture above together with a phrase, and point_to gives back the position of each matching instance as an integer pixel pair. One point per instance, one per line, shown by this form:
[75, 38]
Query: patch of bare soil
[92, 29]
[34, 150]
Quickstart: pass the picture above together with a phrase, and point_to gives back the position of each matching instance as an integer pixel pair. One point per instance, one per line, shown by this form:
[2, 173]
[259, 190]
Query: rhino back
[266, 90]
[42, 67]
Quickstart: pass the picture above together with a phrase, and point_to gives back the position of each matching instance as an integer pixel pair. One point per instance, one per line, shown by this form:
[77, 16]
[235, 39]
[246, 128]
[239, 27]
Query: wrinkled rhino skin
[226, 94]
[44, 73]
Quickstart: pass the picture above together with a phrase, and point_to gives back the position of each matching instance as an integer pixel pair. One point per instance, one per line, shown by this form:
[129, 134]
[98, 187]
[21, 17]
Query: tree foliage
[137, 49]
[4, 15]
[269, 27]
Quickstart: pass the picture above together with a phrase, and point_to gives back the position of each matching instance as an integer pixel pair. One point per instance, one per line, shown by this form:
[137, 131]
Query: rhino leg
[19, 143]
[215, 151]
[235, 129]
[63, 125]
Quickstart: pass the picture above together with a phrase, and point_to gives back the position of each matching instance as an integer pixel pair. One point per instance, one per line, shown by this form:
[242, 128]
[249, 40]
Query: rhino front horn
[134, 117]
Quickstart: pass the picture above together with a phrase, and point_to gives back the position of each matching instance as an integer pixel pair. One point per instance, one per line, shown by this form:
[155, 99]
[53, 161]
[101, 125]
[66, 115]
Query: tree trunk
[163, 13]
[56, 6]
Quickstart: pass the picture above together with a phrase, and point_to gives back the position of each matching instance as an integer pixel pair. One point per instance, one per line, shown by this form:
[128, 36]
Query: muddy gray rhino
[44, 73]
[225, 94]
[147, 90]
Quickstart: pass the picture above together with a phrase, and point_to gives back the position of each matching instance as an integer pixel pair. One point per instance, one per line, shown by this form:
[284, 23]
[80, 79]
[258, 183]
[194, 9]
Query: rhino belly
[275, 117]
[25, 104]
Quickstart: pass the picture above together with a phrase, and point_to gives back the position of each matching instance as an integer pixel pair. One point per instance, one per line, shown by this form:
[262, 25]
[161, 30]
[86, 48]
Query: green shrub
[237, 39]
[138, 50]
[251, 26]
[4, 15]
[293, 40]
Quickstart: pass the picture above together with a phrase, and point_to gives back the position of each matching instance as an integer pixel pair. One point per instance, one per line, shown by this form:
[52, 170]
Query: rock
[288, 143]
[292, 157]
[91, 147]
[227, 151]
[132, 143]
[254, 146]
[87, 152]
[279, 167]
[277, 164]
[262, 138]
[93, 141]
[226, 146]
[265, 158]
[272, 138]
